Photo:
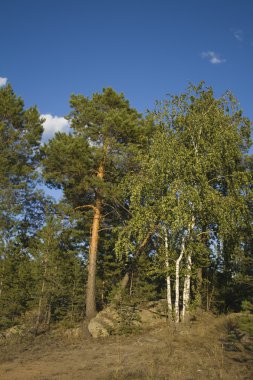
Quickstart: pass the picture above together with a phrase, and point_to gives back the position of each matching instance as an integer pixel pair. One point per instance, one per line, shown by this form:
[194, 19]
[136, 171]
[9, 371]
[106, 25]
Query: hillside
[202, 349]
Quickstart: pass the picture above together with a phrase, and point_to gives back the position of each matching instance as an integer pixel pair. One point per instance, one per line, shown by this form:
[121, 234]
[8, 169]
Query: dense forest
[155, 206]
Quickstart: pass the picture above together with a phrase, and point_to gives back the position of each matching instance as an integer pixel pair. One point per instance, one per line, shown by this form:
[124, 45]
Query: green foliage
[128, 321]
[109, 269]
[245, 323]
[181, 175]
[16, 286]
[247, 306]
[20, 133]
[21, 205]
[240, 324]
[89, 163]
[193, 176]
[104, 129]
[58, 270]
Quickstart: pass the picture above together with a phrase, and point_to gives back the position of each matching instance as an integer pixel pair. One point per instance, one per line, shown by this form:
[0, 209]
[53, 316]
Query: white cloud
[212, 57]
[238, 34]
[3, 81]
[53, 124]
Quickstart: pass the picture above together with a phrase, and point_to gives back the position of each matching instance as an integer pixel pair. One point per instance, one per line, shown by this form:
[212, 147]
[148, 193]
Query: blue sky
[145, 49]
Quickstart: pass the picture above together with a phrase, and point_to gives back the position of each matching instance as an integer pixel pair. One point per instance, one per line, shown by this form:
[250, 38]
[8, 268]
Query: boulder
[104, 323]
[108, 320]
[153, 313]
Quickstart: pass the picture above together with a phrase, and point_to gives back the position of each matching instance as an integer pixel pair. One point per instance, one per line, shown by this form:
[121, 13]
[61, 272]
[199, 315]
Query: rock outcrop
[109, 320]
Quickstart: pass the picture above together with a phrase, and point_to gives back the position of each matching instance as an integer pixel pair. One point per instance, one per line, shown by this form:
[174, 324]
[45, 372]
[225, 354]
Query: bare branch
[86, 206]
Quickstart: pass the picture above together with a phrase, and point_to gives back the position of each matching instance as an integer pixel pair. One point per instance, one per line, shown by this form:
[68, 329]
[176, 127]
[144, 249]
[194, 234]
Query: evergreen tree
[57, 270]
[87, 164]
[20, 204]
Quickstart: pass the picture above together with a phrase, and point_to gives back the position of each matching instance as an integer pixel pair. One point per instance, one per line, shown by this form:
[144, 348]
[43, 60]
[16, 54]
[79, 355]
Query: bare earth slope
[196, 351]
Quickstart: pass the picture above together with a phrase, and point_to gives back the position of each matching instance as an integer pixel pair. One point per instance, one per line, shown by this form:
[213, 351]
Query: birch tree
[192, 182]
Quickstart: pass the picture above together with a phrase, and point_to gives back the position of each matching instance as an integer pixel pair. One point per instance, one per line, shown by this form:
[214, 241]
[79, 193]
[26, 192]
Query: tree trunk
[168, 283]
[187, 280]
[42, 290]
[187, 286]
[72, 302]
[2, 274]
[199, 286]
[1, 287]
[3, 259]
[169, 302]
[131, 283]
[92, 266]
[49, 314]
[122, 286]
[123, 283]
[38, 320]
[177, 315]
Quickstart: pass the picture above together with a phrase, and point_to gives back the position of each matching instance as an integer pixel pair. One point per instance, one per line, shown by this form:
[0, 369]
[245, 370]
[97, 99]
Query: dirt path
[192, 352]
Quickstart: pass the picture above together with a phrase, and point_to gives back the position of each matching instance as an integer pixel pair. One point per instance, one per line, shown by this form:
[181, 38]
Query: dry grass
[190, 352]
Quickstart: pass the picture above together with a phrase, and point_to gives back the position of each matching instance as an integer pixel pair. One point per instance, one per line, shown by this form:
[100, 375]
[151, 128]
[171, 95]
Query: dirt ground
[200, 350]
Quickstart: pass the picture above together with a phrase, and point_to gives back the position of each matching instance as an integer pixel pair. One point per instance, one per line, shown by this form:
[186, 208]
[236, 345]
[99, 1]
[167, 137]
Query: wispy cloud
[238, 34]
[53, 124]
[212, 57]
[3, 81]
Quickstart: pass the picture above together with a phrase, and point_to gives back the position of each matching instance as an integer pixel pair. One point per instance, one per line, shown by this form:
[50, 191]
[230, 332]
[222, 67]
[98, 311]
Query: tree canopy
[154, 206]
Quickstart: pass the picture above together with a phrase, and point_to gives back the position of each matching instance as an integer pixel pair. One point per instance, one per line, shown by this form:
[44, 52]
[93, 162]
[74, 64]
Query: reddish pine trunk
[92, 266]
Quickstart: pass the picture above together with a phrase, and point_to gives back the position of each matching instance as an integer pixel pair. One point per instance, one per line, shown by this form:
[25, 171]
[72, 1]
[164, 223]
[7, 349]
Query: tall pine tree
[20, 135]
[88, 164]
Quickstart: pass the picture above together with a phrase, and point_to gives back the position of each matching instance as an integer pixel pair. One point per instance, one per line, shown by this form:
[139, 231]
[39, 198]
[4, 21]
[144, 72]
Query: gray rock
[104, 322]
[107, 321]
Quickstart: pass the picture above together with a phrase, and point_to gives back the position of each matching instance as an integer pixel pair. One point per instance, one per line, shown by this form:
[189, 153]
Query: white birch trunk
[168, 283]
[169, 302]
[187, 280]
[40, 303]
[187, 286]
[3, 258]
[1, 281]
[177, 313]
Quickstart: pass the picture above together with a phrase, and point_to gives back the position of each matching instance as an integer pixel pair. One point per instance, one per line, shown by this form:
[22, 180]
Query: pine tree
[57, 270]
[20, 134]
[107, 133]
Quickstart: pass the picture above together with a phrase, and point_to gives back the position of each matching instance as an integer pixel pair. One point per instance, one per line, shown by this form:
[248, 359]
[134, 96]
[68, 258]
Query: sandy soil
[191, 352]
